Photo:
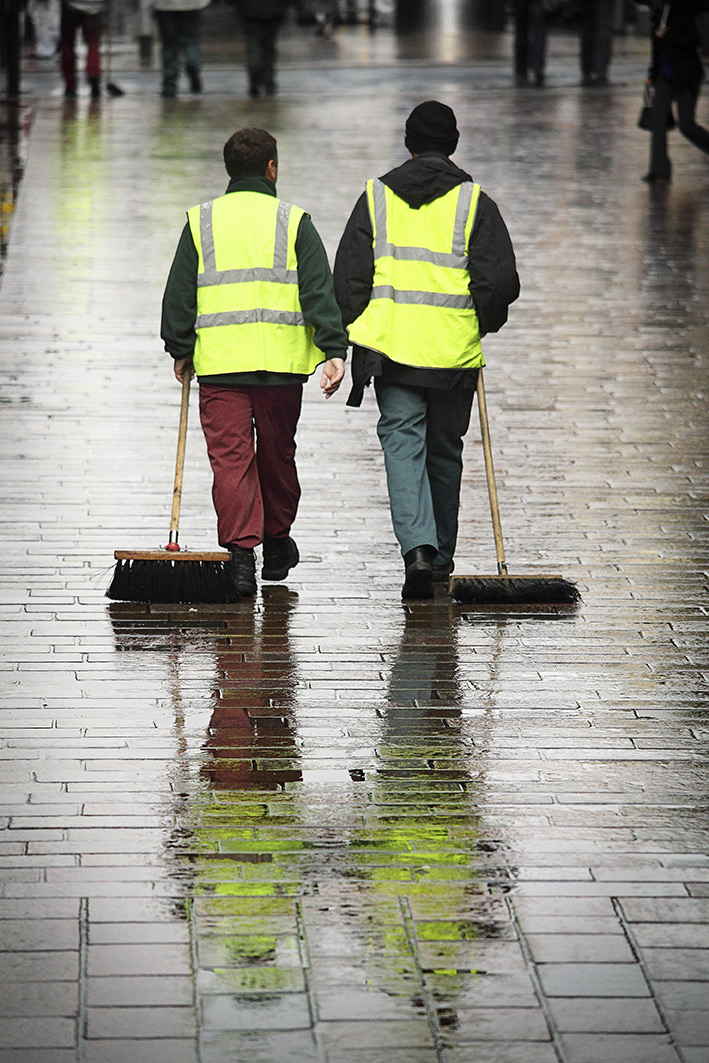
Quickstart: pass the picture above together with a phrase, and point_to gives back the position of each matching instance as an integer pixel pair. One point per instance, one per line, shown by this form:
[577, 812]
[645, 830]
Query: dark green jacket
[315, 287]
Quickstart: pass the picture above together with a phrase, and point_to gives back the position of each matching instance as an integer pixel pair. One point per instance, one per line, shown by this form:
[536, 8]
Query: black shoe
[95, 88]
[418, 581]
[242, 571]
[195, 78]
[279, 557]
[442, 572]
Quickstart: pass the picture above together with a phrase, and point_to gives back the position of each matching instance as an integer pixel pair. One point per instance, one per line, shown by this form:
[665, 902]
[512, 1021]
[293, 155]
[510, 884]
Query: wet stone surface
[324, 826]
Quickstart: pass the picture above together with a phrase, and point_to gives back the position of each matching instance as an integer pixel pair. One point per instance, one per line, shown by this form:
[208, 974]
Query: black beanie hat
[431, 127]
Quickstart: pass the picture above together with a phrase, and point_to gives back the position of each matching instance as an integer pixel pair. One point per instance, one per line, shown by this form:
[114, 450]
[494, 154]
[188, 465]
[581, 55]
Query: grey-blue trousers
[421, 432]
[179, 33]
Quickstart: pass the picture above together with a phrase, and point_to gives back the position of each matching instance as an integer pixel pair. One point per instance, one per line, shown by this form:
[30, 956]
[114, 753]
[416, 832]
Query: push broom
[503, 588]
[173, 574]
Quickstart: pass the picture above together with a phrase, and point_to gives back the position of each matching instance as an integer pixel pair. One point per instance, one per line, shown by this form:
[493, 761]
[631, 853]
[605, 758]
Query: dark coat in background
[675, 54]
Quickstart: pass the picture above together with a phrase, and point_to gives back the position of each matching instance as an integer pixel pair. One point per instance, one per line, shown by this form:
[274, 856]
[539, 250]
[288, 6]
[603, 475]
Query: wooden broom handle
[490, 473]
[180, 461]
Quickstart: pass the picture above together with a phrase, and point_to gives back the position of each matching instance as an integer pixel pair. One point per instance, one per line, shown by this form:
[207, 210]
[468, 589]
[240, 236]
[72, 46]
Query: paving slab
[326, 825]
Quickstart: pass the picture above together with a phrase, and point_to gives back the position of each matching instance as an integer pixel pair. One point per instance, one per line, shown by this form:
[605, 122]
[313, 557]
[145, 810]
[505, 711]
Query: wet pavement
[326, 826]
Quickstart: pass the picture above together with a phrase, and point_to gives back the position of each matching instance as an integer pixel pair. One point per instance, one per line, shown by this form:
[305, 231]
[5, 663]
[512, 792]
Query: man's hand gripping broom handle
[180, 462]
[490, 473]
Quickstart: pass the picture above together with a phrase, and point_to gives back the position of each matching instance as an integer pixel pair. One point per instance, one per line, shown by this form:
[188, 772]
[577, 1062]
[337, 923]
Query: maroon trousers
[90, 25]
[250, 434]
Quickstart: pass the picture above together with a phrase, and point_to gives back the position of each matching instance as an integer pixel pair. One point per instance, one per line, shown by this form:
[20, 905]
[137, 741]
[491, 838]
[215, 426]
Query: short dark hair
[248, 152]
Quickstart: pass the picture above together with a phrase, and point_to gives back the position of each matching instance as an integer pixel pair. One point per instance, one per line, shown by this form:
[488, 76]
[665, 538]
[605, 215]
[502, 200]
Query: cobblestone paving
[326, 827]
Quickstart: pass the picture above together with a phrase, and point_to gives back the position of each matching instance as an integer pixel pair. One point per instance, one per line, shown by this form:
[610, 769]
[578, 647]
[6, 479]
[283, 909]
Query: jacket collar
[252, 184]
[424, 179]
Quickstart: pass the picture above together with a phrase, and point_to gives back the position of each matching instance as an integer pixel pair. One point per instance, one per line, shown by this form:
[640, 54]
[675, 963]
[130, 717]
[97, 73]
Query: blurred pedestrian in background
[262, 19]
[179, 23]
[530, 39]
[249, 307]
[325, 14]
[84, 15]
[425, 268]
[596, 41]
[676, 73]
[45, 15]
[321, 13]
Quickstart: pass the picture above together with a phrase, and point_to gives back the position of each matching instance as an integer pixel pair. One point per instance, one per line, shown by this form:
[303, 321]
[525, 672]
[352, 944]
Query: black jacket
[675, 54]
[494, 283]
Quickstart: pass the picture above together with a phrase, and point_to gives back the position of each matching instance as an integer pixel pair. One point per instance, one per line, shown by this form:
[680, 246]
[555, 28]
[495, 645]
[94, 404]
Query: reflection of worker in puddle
[426, 665]
[422, 754]
[428, 796]
[225, 846]
[250, 755]
[252, 721]
[418, 850]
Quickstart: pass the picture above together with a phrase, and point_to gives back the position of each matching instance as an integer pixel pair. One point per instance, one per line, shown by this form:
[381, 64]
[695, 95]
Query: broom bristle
[511, 590]
[170, 582]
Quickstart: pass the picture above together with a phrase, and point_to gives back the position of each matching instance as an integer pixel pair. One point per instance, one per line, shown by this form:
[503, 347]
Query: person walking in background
[425, 268]
[179, 23]
[596, 41]
[249, 307]
[530, 47]
[84, 15]
[325, 14]
[262, 19]
[676, 73]
[45, 15]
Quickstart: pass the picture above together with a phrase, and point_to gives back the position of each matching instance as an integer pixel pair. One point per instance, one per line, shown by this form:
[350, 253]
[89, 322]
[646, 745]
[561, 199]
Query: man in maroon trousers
[249, 307]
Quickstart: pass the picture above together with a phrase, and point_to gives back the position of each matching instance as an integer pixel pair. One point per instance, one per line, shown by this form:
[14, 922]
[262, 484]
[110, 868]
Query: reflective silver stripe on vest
[280, 253]
[247, 276]
[456, 258]
[277, 274]
[206, 236]
[250, 317]
[454, 302]
[465, 201]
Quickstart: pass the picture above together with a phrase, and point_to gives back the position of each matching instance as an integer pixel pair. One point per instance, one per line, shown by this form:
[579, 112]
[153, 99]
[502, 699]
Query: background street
[325, 826]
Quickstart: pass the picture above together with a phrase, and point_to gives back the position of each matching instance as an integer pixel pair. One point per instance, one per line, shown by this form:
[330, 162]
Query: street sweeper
[249, 308]
[425, 268]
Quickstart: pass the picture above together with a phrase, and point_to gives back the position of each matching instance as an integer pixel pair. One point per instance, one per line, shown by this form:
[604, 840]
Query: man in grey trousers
[425, 268]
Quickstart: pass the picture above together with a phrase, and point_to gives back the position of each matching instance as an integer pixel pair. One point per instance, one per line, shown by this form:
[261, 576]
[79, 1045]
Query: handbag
[645, 116]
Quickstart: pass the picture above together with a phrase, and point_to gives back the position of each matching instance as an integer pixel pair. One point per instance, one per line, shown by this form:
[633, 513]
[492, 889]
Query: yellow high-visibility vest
[249, 316]
[420, 312]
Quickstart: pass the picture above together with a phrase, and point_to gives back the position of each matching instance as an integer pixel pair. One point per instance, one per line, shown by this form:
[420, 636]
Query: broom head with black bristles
[504, 589]
[514, 590]
[172, 577]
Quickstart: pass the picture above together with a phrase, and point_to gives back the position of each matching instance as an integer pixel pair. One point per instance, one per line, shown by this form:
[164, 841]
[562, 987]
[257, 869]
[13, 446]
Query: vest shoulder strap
[468, 195]
[201, 220]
